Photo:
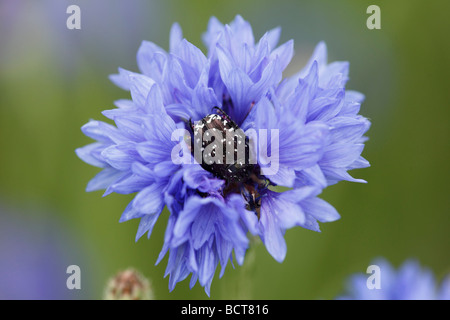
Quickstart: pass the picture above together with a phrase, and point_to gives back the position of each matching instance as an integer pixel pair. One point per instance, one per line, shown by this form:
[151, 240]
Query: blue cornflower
[409, 282]
[302, 133]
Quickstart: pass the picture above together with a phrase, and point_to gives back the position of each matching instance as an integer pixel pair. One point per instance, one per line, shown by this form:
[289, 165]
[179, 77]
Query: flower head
[409, 282]
[211, 136]
[128, 284]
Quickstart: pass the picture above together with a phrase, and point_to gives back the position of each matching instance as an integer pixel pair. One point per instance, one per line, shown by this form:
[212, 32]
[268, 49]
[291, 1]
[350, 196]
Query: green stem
[241, 287]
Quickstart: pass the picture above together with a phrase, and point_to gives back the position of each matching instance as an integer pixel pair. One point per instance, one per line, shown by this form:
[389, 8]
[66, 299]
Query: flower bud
[128, 285]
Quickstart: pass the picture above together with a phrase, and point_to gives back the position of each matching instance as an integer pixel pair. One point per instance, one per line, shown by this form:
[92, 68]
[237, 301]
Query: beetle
[252, 197]
[225, 135]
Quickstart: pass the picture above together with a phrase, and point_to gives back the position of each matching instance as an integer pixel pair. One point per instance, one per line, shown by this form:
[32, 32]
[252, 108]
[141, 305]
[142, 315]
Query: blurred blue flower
[35, 251]
[320, 137]
[409, 282]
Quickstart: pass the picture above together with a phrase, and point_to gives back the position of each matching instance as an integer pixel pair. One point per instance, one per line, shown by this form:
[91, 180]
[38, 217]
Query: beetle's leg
[248, 197]
[224, 115]
[219, 111]
[244, 192]
[250, 109]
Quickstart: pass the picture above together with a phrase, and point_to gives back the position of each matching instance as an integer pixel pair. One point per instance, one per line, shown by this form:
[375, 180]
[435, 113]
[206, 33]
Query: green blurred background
[53, 80]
